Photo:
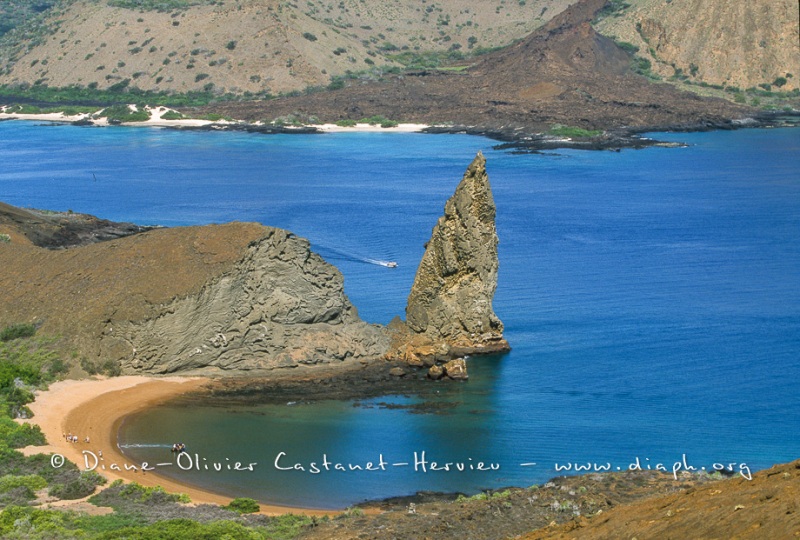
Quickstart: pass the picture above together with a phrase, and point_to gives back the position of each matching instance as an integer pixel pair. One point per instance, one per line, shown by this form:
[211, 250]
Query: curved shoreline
[516, 140]
[96, 408]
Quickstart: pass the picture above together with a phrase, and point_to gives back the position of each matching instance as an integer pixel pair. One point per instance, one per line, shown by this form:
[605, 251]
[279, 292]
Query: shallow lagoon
[652, 297]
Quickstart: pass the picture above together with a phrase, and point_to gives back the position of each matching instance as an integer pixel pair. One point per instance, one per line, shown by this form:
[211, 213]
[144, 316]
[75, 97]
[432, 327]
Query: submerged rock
[456, 369]
[436, 372]
[397, 372]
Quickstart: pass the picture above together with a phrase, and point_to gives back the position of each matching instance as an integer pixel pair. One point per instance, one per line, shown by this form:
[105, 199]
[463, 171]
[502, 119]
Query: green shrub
[379, 120]
[25, 522]
[120, 86]
[179, 529]
[351, 512]
[28, 359]
[213, 117]
[336, 84]
[17, 331]
[244, 505]
[119, 92]
[427, 59]
[574, 132]
[309, 36]
[123, 113]
[476, 497]
[78, 488]
[34, 482]
[149, 495]
[20, 435]
[172, 115]
[628, 47]
[5, 239]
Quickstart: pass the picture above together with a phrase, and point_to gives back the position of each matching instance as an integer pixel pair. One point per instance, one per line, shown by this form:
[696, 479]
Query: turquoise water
[652, 297]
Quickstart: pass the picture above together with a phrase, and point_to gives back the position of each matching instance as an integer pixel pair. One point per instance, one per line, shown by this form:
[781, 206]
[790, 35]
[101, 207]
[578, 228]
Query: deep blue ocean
[651, 297]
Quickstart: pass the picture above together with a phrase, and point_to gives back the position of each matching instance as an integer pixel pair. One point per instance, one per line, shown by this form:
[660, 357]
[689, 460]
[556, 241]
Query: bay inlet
[651, 298]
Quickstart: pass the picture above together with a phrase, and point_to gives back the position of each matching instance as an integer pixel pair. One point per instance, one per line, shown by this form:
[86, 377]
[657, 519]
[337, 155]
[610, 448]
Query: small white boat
[391, 264]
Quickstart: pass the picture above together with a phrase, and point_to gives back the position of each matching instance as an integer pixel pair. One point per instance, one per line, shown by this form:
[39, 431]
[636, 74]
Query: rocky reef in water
[243, 299]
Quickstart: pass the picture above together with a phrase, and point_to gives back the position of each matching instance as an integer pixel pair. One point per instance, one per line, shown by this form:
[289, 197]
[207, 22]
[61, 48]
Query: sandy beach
[156, 114]
[95, 408]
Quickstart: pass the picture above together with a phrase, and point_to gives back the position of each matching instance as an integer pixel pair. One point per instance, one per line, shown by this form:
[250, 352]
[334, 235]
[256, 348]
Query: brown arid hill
[623, 505]
[563, 73]
[766, 507]
[722, 42]
[250, 45]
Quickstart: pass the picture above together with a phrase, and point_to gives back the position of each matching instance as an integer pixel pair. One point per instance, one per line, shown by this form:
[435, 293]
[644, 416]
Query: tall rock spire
[451, 298]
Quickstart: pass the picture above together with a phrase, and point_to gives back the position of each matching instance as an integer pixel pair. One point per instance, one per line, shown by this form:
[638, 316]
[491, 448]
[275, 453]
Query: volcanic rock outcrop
[449, 311]
[280, 306]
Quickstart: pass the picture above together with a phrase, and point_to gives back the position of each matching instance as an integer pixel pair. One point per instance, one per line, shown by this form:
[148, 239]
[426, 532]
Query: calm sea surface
[652, 298]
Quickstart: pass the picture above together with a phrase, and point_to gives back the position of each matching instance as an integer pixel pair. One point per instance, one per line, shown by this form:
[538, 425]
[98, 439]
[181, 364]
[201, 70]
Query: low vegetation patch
[16, 331]
[67, 110]
[123, 113]
[158, 5]
[613, 8]
[172, 115]
[243, 505]
[122, 92]
[378, 120]
[574, 132]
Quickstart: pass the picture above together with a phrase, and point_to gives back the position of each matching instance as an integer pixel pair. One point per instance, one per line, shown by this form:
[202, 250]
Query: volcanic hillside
[238, 46]
[731, 43]
[564, 73]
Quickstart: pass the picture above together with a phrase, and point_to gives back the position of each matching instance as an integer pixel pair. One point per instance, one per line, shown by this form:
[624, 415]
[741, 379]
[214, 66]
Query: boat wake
[339, 254]
[387, 264]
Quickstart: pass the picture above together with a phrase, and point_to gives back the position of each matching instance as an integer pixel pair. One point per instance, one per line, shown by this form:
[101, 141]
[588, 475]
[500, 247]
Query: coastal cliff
[280, 306]
[226, 299]
[449, 312]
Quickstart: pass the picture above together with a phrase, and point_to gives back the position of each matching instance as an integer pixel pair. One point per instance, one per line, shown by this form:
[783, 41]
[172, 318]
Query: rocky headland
[58, 230]
[245, 299]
